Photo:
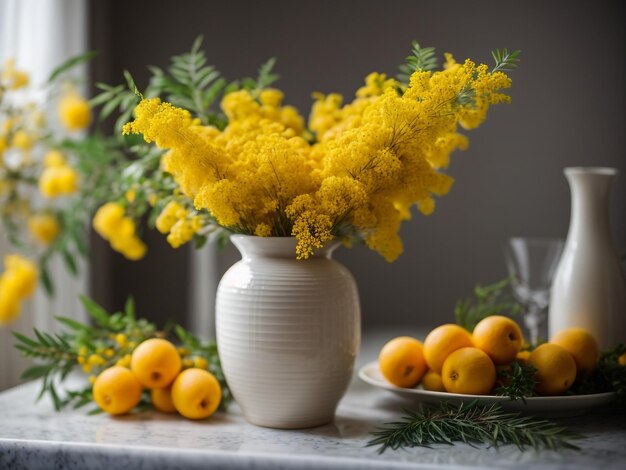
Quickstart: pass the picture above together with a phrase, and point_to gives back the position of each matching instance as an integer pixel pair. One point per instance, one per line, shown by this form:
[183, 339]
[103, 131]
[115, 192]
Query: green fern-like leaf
[505, 60]
[266, 74]
[422, 58]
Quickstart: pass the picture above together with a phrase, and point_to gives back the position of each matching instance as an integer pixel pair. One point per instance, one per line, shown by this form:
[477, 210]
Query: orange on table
[432, 382]
[443, 341]
[556, 369]
[469, 371]
[162, 399]
[582, 346]
[116, 390]
[401, 361]
[196, 393]
[498, 336]
[156, 363]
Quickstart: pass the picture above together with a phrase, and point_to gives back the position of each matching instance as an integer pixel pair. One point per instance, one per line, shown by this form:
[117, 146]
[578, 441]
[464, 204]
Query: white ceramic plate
[556, 406]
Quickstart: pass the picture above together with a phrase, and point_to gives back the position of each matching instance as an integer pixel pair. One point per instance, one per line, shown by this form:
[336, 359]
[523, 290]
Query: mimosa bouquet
[252, 165]
[353, 172]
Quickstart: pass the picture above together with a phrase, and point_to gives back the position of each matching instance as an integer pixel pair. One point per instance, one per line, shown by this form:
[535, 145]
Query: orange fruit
[498, 336]
[432, 381]
[442, 341]
[556, 369]
[582, 346]
[401, 361]
[196, 393]
[622, 360]
[156, 363]
[116, 390]
[162, 399]
[522, 356]
[469, 371]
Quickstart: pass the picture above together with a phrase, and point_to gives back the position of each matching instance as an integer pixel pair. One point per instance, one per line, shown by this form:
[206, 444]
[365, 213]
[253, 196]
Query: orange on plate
[498, 336]
[443, 341]
[582, 346]
[401, 361]
[556, 369]
[469, 371]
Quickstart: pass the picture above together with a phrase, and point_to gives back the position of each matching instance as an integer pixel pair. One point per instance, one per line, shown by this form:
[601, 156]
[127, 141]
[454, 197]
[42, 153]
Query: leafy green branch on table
[471, 423]
[109, 341]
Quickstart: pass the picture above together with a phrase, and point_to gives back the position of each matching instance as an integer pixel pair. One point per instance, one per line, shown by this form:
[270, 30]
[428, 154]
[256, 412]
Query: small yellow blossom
[11, 77]
[54, 158]
[131, 195]
[187, 363]
[57, 181]
[124, 361]
[96, 360]
[200, 362]
[87, 368]
[121, 340]
[44, 228]
[182, 351]
[83, 351]
[92, 379]
[22, 140]
[109, 352]
[112, 225]
[74, 112]
[81, 359]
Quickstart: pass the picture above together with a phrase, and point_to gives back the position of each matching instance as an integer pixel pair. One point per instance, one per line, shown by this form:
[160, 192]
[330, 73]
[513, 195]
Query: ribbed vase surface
[288, 332]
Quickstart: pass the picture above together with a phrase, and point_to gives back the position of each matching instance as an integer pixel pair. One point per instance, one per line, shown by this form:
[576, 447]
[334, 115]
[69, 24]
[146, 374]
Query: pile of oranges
[156, 365]
[455, 361]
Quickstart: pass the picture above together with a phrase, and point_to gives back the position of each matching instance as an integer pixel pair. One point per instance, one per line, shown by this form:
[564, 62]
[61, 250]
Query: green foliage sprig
[518, 381]
[109, 341]
[421, 58]
[471, 423]
[505, 60]
[492, 299]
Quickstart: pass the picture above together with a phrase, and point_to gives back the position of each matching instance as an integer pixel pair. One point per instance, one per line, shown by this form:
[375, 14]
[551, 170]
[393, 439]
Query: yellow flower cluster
[112, 224]
[44, 228]
[179, 225]
[57, 178]
[74, 112]
[371, 160]
[16, 283]
[12, 78]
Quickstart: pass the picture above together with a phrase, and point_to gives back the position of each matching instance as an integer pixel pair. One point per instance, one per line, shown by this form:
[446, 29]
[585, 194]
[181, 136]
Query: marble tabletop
[34, 436]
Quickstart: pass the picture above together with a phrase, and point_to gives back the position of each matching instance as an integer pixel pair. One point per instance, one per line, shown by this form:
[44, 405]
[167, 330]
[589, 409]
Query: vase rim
[276, 247]
[591, 170]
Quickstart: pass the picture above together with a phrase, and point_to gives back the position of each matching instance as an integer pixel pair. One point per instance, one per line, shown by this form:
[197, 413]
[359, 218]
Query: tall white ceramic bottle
[288, 332]
[589, 288]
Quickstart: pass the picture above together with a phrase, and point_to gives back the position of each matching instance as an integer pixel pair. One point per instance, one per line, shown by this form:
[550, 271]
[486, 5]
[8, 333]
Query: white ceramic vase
[588, 289]
[288, 332]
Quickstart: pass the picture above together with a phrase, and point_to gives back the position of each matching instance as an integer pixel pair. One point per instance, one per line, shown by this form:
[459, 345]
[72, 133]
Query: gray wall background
[568, 109]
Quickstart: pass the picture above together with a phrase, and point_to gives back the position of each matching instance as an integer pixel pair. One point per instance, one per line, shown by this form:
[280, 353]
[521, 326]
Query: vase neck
[590, 189]
[275, 247]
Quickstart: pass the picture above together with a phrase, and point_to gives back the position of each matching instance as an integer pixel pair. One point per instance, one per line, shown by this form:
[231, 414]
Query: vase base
[289, 423]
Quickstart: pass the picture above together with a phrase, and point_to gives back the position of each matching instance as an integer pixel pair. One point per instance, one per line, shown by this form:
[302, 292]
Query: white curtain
[41, 34]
